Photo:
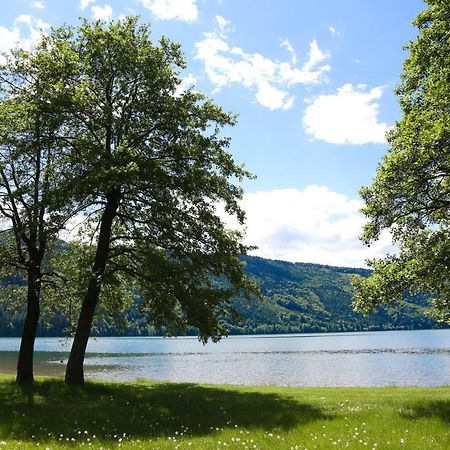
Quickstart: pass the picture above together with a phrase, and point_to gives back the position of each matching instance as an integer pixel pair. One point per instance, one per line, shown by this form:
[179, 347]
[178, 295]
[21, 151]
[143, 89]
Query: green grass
[165, 415]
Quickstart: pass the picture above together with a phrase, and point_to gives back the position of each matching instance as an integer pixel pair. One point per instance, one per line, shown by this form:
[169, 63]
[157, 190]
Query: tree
[410, 196]
[155, 168]
[32, 207]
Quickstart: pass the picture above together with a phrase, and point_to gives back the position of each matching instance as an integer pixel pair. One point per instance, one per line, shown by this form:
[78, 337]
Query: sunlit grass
[166, 415]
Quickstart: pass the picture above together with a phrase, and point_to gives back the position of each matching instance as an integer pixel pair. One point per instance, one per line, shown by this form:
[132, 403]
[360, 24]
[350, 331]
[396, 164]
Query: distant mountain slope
[301, 297]
[298, 298]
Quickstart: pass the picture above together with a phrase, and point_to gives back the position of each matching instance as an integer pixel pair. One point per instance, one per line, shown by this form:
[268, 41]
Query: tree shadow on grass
[142, 411]
[428, 410]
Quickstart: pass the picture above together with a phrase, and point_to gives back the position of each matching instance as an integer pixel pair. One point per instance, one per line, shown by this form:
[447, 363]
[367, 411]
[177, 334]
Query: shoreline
[9, 375]
[247, 335]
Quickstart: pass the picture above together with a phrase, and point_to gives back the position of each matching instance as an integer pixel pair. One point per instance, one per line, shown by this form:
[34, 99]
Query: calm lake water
[420, 358]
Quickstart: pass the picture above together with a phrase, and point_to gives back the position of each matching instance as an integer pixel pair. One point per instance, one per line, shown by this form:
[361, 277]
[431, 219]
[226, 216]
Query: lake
[400, 358]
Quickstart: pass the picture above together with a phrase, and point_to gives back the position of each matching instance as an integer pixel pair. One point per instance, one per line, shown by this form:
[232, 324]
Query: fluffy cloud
[25, 33]
[73, 229]
[85, 3]
[184, 10]
[186, 83]
[350, 116]
[313, 225]
[104, 12]
[286, 44]
[223, 24]
[269, 79]
[38, 5]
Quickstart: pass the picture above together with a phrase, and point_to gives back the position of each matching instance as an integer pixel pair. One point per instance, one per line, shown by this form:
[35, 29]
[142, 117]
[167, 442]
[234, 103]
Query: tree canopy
[154, 168]
[410, 196]
[110, 136]
[32, 168]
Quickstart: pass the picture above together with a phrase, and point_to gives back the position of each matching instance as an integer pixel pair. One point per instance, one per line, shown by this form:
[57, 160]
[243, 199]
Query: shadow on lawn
[429, 409]
[141, 411]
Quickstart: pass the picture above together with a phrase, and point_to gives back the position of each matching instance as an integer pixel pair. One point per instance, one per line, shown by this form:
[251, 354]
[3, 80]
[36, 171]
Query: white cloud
[350, 116]
[271, 97]
[25, 33]
[186, 83]
[104, 12]
[38, 5]
[311, 225]
[315, 56]
[334, 31]
[223, 24]
[269, 79]
[85, 3]
[285, 43]
[184, 10]
[72, 228]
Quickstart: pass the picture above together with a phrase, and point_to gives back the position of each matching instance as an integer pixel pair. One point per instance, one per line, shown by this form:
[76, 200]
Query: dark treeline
[297, 298]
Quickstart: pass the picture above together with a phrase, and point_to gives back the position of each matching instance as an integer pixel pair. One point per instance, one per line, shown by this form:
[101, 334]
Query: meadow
[150, 415]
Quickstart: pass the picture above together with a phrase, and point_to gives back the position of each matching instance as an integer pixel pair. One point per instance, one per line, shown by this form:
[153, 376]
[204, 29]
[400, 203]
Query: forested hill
[302, 297]
[297, 298]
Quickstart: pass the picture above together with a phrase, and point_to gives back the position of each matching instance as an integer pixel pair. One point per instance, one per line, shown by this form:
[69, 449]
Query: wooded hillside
[297, 298]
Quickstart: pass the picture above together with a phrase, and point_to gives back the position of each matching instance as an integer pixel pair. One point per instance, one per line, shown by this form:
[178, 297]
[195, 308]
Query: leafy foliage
[32, 164]
[93, 122]
[410, 196]
[144, 163]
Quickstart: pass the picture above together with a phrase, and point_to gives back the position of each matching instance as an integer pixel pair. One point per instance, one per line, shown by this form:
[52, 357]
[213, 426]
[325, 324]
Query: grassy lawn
[166, 415]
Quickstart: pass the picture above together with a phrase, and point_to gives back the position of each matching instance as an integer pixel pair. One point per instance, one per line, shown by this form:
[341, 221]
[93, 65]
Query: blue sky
[312, 83]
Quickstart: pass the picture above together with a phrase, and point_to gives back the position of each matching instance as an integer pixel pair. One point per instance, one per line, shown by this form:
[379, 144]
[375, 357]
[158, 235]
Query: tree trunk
[25, 360]
[74, 371]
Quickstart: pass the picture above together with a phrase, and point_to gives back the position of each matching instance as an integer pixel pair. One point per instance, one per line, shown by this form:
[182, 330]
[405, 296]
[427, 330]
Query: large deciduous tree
[156, 169]
[410, 196]
[33, 209]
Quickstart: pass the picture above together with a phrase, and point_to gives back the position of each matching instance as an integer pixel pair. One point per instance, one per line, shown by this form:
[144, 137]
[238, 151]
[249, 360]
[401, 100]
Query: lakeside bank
[170, 415]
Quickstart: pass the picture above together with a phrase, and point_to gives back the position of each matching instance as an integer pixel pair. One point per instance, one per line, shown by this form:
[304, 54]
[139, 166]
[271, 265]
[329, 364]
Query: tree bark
[74, 370]
[25, 360]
